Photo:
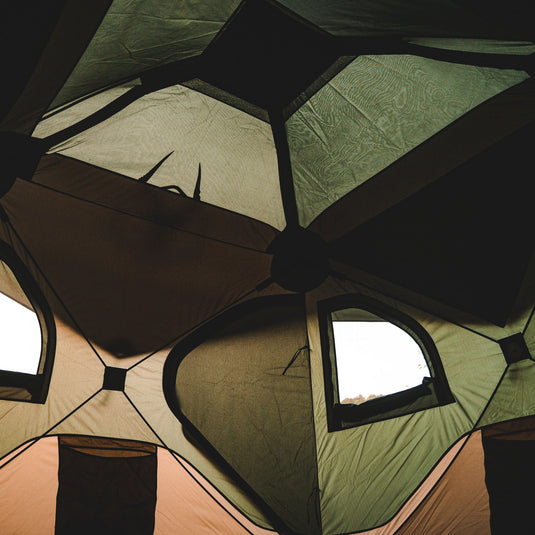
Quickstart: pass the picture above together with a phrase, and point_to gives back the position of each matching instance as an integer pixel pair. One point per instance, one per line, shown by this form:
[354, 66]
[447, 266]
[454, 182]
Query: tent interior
[272, 264]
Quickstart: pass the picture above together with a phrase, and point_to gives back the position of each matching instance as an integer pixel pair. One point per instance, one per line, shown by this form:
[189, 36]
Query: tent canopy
[192, 194]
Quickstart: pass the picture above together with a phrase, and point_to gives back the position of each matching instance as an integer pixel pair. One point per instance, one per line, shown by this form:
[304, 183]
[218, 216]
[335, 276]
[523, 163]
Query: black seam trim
[30, 443]
[97, 117]
[491, 398]
[71, 413]
[319, 512]
[88, 42]
[143, 418]
[178, 460]
[284, 163]
[528, 322]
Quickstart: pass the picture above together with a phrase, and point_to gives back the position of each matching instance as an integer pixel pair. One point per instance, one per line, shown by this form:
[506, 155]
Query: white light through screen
[375, 358]
[20, 337]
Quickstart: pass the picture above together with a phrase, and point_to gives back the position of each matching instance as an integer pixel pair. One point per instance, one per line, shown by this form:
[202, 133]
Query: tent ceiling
[168, 168]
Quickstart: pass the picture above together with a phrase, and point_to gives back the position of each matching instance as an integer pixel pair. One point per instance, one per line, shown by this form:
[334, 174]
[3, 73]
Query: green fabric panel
[376, 467]
[529, 334]
[369, 17]
[372, 113]
[514, 397]
[485, 46]
[247, 391]
[235, 151]
[144, 389]
[137, 35]
[70, 114]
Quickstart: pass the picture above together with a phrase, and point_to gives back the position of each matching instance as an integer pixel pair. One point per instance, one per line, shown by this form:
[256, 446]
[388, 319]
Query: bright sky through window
[376, 358]
[20, 337]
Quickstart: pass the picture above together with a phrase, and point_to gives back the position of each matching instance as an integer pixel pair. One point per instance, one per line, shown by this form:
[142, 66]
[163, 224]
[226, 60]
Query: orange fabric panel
[186, 504]
[459, 503]
[28, 488]
[423, 490]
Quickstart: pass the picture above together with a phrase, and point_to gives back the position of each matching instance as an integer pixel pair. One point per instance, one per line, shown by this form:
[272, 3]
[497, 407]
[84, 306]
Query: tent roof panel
[137, 35]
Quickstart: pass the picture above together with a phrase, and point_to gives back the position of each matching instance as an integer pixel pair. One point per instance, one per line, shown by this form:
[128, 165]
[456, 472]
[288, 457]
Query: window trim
[431, 393]
[27, 387]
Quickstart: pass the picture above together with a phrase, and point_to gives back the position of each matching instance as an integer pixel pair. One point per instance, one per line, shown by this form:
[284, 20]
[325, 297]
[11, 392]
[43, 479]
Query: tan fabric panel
[236, 151]
[144, 388]
[28, 488]
[9, 286]
[412, 504]
[108, 414]
[386, 461]
[459, 503]
[187, 504]
[76, 375]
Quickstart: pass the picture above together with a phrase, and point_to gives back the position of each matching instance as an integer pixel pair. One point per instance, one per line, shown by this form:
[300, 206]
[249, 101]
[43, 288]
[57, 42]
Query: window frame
[27, 387]
[431, 393]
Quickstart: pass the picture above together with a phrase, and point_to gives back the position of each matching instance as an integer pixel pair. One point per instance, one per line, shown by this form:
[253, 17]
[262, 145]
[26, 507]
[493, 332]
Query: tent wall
[376, 467]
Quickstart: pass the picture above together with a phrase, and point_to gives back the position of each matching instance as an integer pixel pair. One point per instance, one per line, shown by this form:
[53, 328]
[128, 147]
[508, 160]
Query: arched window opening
[27, 333]
[378, 363]
[20, 339]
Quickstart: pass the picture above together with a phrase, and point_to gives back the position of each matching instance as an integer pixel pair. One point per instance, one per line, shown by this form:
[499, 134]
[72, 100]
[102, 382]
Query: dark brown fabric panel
[512, 19]
[14, 393]
[132, 286]
[73, 31]
[150, 202]
[521, 429]
[247, 61]
[476, 131]
[26, 27]
[510, 472]
[107, 447]
[105, 495]
[458, 504]
[464, 240]
[246, 390]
